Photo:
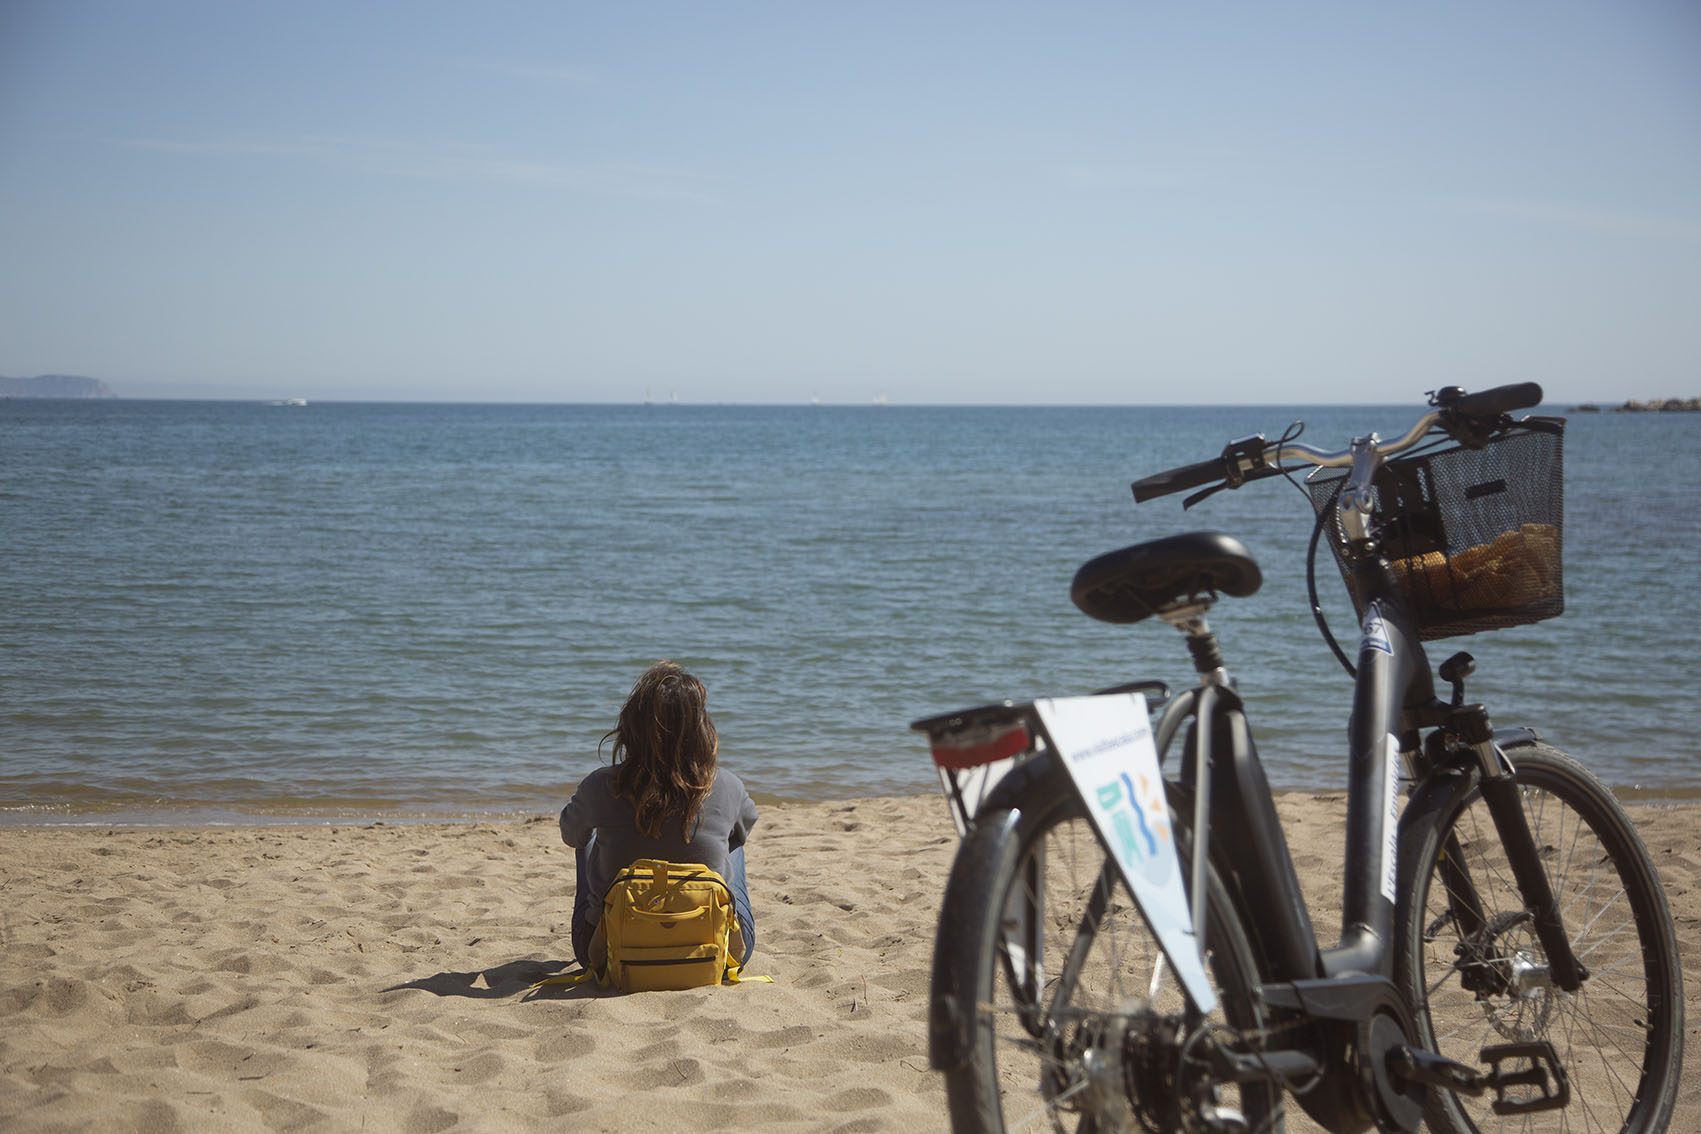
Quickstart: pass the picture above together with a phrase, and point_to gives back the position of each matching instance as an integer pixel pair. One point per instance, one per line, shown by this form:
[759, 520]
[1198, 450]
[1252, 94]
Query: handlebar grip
[1181, 479]
[1501, 399]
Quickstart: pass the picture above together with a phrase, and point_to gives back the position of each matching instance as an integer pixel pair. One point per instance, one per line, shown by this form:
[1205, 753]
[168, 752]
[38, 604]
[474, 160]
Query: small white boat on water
[293, 402]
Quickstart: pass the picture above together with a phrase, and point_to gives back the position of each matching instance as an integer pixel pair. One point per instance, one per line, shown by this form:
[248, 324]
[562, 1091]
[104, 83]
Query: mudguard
[1441, 786]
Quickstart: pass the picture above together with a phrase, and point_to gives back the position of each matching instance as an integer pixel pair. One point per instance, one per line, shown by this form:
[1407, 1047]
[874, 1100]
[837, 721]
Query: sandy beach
[378, 978]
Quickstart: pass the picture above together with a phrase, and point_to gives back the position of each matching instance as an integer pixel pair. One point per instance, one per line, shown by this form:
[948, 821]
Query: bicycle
[1507, 957]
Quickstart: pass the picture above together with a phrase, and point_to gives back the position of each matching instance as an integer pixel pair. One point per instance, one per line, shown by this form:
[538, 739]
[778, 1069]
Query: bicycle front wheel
[1079, 1024]
[1469, 959]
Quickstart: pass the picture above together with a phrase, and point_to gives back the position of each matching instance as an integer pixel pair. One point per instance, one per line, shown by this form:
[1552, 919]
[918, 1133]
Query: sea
[249, 612]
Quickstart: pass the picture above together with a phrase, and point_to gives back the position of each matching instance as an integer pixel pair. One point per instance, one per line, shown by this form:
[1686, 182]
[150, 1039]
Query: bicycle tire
[1620, 1036]
[1011, 1076]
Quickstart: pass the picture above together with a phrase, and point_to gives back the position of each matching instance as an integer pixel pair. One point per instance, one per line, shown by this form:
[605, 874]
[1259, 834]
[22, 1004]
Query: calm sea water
[216, 611]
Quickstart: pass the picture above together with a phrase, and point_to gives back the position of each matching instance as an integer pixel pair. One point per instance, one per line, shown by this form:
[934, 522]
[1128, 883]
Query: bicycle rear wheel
[1476, 981]
[1078, 1022]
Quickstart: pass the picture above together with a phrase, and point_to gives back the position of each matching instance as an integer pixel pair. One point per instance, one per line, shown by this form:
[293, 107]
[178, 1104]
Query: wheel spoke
[1471, 989]
[1059, 1056]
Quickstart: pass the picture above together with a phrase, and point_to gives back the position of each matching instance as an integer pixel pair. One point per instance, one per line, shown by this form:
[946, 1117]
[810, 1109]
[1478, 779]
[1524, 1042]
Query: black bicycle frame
[1393, 694]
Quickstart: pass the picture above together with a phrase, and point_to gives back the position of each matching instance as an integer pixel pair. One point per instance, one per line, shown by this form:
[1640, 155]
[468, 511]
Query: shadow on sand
[503, 981]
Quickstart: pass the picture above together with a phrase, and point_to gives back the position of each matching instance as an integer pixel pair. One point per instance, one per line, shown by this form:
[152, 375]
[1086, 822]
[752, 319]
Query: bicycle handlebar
[1501, 399]
[1457, 413]
[1181, 479]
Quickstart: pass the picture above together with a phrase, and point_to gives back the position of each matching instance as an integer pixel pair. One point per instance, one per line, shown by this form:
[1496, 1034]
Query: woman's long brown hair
[664, 749]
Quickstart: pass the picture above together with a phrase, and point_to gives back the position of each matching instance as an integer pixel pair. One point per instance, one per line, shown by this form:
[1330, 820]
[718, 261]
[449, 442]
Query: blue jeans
[584, 901]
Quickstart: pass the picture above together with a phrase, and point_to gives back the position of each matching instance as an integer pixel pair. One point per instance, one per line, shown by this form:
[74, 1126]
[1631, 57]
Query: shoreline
[339, 975]
[215, 818]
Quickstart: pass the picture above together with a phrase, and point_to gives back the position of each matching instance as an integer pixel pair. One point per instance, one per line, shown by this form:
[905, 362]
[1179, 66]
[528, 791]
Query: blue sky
[765, 202]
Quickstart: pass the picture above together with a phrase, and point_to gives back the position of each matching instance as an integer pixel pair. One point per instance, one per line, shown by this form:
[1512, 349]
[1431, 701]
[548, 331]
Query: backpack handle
[663, 915]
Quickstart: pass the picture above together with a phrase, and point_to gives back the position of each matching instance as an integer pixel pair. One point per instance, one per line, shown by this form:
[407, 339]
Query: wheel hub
[1511, 978]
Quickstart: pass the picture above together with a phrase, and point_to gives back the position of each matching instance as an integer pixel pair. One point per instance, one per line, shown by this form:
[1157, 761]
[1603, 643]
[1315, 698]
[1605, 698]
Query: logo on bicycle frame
[1375, 636]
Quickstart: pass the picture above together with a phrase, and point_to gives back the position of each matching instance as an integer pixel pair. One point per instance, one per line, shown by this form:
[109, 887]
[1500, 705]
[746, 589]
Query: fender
[1023, 784]
[1442, 785]
[1517, 736]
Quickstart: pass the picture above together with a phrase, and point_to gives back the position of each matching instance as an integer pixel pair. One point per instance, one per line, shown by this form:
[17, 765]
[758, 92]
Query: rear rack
[974, 749]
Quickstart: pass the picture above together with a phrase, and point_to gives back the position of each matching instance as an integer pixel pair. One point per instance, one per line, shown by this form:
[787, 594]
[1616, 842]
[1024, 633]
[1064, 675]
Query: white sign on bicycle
[1106, 745]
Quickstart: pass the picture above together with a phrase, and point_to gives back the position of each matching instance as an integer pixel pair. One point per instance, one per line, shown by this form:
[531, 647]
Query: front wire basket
[1474, 535]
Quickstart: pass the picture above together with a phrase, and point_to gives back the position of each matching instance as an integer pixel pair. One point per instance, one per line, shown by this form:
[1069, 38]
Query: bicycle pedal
[1545, 1075]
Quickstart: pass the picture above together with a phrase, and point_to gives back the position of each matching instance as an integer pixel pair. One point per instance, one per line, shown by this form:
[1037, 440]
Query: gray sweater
[722, 826]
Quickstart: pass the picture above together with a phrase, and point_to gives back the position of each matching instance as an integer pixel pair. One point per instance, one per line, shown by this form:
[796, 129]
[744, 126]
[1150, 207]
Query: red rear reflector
[971, 748]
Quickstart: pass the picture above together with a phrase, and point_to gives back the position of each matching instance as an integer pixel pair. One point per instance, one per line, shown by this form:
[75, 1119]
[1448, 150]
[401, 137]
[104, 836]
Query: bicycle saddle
[1134, 583]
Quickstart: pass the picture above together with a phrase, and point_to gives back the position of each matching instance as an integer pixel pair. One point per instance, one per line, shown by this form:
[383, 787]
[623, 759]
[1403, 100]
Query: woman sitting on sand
[662, 798]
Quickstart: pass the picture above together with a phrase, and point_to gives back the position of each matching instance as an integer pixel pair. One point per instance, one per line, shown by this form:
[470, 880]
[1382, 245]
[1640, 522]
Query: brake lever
[1203, 493]
[1245, 477]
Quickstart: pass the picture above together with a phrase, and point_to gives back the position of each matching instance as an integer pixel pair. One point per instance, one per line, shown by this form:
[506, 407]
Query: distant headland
[1658, 405]
[54, 386]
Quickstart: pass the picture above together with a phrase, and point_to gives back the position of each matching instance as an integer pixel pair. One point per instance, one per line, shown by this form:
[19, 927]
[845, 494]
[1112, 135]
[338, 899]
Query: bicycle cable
[1317, 614]
[1291, 434]
[1323, 514]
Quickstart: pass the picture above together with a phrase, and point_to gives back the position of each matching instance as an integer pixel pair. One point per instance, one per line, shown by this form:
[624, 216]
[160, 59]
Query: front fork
[1500, 791]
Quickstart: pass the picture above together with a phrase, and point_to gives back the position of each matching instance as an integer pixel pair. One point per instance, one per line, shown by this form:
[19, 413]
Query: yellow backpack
[670, 925]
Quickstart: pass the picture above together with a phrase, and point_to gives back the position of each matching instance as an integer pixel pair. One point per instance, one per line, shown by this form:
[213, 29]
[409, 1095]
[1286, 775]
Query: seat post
[1188, 616]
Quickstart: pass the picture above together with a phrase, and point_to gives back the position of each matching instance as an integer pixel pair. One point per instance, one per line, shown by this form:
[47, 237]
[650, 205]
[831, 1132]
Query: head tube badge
[1375, 631]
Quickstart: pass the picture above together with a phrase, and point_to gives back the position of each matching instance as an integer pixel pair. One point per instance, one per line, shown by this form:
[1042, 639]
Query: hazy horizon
[1416, 400]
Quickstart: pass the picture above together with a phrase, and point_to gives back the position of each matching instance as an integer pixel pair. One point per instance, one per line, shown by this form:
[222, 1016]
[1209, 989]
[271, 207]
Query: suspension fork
[1500, 791]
